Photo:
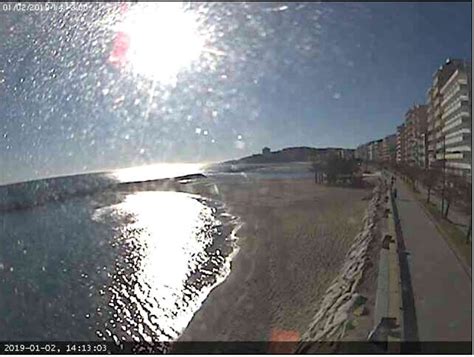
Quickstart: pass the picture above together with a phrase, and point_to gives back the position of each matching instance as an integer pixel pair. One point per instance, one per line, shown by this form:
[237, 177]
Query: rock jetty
[341, 298]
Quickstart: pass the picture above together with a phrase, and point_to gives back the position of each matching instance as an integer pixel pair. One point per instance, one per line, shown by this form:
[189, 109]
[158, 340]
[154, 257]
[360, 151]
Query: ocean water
[116, 266]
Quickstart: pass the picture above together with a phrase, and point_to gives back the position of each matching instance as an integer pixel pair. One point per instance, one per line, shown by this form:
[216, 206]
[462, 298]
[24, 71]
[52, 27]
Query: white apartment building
[415, 128]
[401, 144]
[435, 138]
[375, 150]
[456, 123]
[421, 151]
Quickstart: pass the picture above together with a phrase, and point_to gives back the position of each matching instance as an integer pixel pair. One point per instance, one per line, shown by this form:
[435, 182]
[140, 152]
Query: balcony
[461, 93]
[456, 125]
[437, 124]
[455, 156]
[466, 132]
[459, 165]
[461, 147]
[461, 107]
[461, 114]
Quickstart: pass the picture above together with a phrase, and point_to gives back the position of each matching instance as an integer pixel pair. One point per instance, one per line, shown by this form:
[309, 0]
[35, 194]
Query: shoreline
[260, 285]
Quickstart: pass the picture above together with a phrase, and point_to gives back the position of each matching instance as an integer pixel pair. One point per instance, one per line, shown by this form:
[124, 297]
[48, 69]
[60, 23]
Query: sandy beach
[293, 240]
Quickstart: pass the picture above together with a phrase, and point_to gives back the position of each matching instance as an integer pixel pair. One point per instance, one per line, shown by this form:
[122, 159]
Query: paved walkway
[441, 289]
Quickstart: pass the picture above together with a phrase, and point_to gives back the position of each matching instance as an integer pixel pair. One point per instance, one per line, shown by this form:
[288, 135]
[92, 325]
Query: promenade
[440, 287]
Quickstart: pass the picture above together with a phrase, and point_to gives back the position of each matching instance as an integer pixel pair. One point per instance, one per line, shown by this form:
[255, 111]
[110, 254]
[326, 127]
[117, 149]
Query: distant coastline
[27, 194]
[290, 154]
[302, 155]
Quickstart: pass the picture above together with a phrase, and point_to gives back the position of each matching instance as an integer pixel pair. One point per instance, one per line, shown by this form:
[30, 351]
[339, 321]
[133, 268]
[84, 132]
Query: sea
[83, 260]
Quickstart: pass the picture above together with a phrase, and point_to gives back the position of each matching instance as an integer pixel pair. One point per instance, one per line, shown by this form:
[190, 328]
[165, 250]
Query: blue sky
[327, 74]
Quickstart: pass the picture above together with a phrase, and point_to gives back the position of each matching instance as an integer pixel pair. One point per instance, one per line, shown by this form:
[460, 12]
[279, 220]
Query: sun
[158, 40]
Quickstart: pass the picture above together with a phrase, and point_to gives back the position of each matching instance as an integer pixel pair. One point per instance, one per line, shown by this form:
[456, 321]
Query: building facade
[449, 117]
[381, 150]
[401, 144]
[347, 154]
[456, 122]
[373, 150]
[435, 138]
[362, 152]
[389, 147]
[438, 132]
[422, 151]
[415, 128]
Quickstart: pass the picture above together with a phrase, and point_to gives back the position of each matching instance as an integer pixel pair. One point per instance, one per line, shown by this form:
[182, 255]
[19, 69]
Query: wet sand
[293, 240]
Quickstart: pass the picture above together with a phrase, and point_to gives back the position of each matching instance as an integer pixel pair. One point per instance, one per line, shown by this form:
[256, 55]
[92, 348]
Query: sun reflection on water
[174, 251]
[156, 171]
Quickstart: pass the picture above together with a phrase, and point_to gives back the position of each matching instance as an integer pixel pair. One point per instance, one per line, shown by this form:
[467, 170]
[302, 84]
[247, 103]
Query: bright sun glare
[162, 39]
[156, 172]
